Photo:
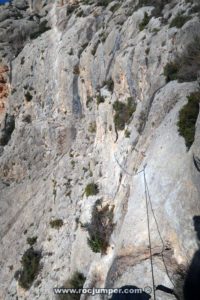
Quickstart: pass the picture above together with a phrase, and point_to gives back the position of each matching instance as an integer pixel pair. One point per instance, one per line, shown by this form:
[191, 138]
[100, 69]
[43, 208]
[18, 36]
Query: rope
[159, 233]
[149, 234]
[148, 198]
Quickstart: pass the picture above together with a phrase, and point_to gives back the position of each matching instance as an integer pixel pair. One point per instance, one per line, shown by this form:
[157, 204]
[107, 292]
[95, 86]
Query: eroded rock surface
[58, 135]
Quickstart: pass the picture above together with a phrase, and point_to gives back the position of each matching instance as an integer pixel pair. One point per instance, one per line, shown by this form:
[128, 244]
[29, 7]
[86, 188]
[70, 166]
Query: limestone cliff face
[64, 64]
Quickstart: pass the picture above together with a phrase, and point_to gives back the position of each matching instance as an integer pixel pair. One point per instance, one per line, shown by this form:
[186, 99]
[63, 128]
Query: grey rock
[58, 140]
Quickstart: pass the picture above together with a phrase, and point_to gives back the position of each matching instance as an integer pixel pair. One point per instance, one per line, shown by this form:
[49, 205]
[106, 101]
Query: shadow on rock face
[6, 132]
[191, 287]
[133, 294]
[196, 220]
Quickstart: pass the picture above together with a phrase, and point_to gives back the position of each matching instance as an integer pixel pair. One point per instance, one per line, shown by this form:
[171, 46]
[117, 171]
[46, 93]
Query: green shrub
[100, 228]
[119, 118]
[171, 71]
[158, 4]
[186, 66]
[195, 9]
[142, 121]
[13, 91]
[103, 2]
[127, 133]
[179, 21]
[43, 27]
[80, 13]
[115, 7]
[145, 21]
[94, 49]
[100, 99]
[91, 189]
[142, 3]
[92, 127]
[31, 240]
[96, 243]
[89, 101]
[75, 282]
[187, 118]
[71, 8]
[76, 70]
[57, 223]
[123, 112]
[73, 163]
[155, 30]
[147, 50]
[86, 2]
[31, 267]
[103, 36]
[28, 96]
[110, 84]
[190, 62]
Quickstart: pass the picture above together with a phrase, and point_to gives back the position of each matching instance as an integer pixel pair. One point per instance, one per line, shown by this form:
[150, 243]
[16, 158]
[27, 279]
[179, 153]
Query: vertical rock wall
[75, 62]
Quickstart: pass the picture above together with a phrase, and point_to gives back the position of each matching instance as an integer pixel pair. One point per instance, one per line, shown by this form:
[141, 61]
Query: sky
[4, 1]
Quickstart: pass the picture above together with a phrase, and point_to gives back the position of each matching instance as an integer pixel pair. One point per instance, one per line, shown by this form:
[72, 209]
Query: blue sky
[3, 1]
